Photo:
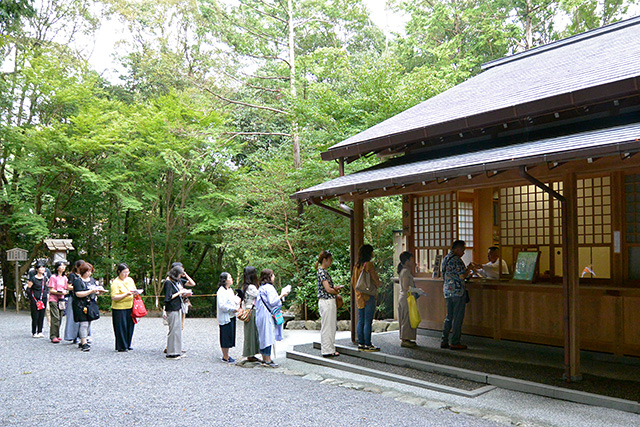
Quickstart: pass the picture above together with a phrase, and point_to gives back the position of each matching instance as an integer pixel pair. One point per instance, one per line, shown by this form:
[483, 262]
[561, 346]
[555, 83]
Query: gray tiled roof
[596, 143]
[599, 57]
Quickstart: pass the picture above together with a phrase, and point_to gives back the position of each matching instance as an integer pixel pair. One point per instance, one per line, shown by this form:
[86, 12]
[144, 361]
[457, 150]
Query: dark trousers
[455, 317]
[365, 319]
[37, 316]
[122, 328]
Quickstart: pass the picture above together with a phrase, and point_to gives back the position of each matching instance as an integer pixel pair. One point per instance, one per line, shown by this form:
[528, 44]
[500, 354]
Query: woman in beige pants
[327, 293]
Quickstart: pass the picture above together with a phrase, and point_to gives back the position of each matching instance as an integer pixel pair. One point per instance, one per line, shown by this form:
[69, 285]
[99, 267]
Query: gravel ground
[512, 361]
[399, 370]
[49, 384]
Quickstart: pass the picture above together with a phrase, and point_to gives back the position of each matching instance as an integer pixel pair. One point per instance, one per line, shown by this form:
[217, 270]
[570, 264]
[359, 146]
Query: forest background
[220, 114]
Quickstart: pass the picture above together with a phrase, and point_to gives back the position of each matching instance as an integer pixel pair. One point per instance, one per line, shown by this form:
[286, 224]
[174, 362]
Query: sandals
[336, 354]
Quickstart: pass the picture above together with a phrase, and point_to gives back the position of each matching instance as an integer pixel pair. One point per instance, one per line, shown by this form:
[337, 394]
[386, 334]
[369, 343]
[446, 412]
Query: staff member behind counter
[491, 270]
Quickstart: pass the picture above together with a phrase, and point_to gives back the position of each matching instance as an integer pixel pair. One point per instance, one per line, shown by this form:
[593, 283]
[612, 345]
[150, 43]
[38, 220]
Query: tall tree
[268, 37]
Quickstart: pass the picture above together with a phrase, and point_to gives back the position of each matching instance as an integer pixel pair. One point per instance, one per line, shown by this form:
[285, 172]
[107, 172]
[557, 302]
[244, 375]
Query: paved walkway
[47, 384]
[55, 384]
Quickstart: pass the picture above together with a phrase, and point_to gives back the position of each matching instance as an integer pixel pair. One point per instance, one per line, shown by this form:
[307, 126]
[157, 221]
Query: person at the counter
[491, 270]
[454, 273]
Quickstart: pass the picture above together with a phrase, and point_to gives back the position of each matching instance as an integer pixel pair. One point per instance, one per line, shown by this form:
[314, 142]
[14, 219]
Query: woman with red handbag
[123, 290]
[37, 291]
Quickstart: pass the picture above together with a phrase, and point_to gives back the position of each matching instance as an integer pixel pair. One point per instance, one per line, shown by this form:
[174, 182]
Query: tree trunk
[295, 136]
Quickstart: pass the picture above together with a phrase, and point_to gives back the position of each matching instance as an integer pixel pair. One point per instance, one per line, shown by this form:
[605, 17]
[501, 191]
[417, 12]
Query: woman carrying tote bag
[405, 273]
[364, 270]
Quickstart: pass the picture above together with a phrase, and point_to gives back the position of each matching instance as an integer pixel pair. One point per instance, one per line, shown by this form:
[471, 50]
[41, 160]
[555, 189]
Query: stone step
[347, 367]
[494, 381]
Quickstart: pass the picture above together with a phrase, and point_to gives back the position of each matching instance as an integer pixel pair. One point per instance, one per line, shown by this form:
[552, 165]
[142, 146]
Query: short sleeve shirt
[452, 270]
[322, 276]
[119, 287]
[57, 283]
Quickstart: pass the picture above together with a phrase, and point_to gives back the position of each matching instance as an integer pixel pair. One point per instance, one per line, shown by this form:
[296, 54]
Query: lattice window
[594, 211]
[524, 216]
[434, 227]
[465, 223]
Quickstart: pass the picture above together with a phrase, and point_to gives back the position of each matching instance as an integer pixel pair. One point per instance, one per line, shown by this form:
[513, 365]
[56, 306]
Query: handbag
[244, 314]
[364, 284]
[40, 303]
[414, 314]
[92, 310]
[339, 301]
[138, 310]
[276, 313]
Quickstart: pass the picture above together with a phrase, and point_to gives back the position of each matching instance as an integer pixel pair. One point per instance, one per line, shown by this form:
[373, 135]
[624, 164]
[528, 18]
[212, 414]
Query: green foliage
[192, 157]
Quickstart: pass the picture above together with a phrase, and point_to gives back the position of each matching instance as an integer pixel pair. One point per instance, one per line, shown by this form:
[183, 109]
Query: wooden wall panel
[432, 306]
[597, 322]
[631, 316]
[609, 320]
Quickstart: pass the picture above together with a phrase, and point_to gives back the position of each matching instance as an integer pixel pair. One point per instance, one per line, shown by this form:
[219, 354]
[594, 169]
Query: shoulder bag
[276, 313]
[364, 284]
[92, 310]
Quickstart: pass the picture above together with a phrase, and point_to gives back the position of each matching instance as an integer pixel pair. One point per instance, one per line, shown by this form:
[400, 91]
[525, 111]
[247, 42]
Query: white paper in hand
[286, 289]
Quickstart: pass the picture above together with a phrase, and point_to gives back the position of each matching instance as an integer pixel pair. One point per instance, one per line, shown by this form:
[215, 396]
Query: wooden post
[570, 282]
[18, 287]
[570, 279]
[357, 240]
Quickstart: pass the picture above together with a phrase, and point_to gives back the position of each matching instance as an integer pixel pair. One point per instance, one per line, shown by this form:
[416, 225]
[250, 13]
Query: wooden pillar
[357, 240]
[570, 283]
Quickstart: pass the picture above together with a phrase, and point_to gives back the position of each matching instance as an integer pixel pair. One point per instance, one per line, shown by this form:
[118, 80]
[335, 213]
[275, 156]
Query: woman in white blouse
[228, 304]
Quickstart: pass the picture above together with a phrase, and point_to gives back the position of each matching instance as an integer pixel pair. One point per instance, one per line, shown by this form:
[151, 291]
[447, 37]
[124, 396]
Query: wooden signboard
[17, 254]
[526, 266]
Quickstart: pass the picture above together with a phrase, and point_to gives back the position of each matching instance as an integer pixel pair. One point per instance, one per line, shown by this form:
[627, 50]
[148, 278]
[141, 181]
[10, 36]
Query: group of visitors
[73, 296]
[329, 294]
[256, 303]
[454, 272]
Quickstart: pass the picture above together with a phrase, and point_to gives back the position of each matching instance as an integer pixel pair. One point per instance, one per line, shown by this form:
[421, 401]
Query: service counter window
[532, 221]
[435, 227]
[525, 225]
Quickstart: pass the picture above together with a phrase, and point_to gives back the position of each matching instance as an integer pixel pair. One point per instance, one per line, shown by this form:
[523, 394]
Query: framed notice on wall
[436, 267]
[526, 266]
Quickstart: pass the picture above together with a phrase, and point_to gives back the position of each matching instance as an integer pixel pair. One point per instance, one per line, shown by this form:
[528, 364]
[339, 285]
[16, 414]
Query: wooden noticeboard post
[15, 255]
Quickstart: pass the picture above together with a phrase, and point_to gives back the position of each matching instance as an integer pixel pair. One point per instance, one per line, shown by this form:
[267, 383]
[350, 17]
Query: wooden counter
[609, 316]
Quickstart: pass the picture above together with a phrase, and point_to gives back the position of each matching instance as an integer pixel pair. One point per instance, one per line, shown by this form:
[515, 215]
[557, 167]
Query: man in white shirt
[491, 269]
